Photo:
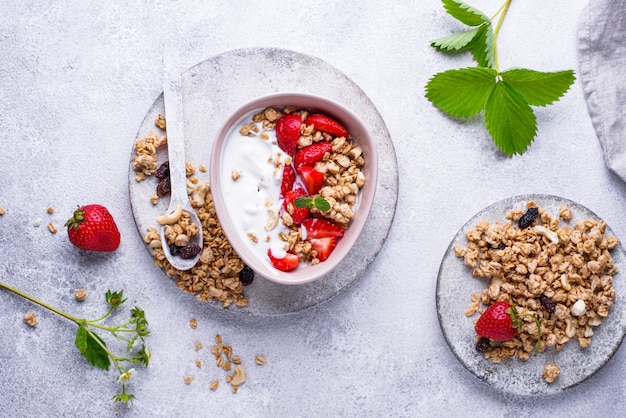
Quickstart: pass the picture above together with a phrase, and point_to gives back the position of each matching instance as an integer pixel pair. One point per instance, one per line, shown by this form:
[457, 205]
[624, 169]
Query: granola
[216, 275]
[570, 266]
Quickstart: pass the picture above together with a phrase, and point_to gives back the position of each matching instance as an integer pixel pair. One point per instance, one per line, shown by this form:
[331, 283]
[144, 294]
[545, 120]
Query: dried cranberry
[246, 275]
[164, 187]
[163, 171]
[190, 251]
[528, 218]
[547, 303]
[483, 344]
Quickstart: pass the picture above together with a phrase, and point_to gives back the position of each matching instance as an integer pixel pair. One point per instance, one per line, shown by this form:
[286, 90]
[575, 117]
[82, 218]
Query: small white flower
[125, 377]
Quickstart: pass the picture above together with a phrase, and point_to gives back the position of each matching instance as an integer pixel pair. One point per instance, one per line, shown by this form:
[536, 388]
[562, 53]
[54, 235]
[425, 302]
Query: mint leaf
[87, 343]
[509, 119]
[461, 92]
[456, 42]
[321, 203]
[465, 13]
[482, 46]
[539, 88]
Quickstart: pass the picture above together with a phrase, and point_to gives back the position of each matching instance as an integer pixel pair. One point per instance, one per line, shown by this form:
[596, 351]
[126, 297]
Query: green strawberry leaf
[456, 42]
[92, 347]
[509, 119]
[539, 88]
[482, 46]
[465, 13]
[461, 92]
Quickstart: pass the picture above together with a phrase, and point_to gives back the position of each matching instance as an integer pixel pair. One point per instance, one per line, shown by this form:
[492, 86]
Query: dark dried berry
[164, 187]
[163, 171]
[528, 218]
[547, 304]
[501, 246]
[483, 344]
[190, 251]
[246, 275]
[174, 249]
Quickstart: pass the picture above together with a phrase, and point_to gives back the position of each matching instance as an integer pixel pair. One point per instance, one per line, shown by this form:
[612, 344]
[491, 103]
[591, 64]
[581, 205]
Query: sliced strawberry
[313, 179]
[288, 132]
[299, 214]
[287, 263]
[326, 124]
[320, 228]
[288, 180]
[308, 156]
[324, 246]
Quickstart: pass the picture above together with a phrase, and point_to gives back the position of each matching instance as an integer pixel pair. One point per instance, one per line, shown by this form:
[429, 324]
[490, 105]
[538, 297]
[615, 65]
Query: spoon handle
[172, 96]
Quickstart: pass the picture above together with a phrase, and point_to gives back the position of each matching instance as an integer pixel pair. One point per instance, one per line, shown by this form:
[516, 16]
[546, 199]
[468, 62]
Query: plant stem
[504, 10]
[38, 302]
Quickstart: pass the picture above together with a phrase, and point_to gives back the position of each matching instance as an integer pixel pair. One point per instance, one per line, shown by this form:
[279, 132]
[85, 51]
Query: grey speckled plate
[213, 89]
[455, 284]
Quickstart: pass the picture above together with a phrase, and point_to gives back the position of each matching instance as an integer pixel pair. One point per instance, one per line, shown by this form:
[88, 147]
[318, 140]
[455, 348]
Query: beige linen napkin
[602, 60]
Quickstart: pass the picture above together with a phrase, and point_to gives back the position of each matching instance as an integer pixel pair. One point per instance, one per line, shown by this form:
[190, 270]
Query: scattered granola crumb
[50, 210]
[198, 363]
[198, 345]
[52, 227]
[551, 372]
[235, 174]
[37, 222]
[31, 319]
[80, 294]
[160, 121]
[214, 385]
[202, 168]
[193, 323]
[260, 360]
[2, 210]
[189, 379]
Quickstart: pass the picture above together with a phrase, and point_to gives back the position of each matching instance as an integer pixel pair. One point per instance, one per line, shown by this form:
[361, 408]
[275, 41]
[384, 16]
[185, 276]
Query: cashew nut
[272, 218]
[551, 235]
[570, 328]
[168, 219]
[198, 194]
[239, 375]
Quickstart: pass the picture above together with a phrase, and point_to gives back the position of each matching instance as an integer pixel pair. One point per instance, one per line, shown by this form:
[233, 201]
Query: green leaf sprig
[95, 349]
[506, 96]
[309, 202]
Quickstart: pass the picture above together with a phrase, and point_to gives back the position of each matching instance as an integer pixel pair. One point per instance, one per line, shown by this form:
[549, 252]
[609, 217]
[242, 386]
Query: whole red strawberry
[499, 322]
[92, 228]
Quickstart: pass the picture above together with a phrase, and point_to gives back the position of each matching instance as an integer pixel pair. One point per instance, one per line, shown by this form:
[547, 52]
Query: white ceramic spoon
[179, 199]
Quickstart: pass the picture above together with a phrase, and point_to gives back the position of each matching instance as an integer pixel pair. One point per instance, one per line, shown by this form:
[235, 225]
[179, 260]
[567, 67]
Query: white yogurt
[250, 197]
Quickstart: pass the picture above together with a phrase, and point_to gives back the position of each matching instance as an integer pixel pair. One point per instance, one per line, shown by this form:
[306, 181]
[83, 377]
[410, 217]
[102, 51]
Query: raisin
[163, 171]
[547, 303]
[174, 249]
[501, 246]
[189, 251]
[246, 275]
[528, 218]
[483, 344]
[164, 187]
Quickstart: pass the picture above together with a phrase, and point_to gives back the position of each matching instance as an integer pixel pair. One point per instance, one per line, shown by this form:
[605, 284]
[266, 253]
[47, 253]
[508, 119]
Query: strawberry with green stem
[92, 228]
[501, 322]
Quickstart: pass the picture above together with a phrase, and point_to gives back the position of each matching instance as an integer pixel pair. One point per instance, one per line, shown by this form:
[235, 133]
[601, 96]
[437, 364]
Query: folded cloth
[602, 60]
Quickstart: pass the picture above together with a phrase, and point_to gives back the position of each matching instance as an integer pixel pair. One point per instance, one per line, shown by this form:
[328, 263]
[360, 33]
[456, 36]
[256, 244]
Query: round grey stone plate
[455, 284]
[216, 87]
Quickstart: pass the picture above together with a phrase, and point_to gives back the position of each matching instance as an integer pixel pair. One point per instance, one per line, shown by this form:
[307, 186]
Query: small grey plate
[216, 87]
[455, 284]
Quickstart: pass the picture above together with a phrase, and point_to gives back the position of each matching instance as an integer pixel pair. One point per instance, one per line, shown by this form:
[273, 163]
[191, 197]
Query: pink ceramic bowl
[221, 179]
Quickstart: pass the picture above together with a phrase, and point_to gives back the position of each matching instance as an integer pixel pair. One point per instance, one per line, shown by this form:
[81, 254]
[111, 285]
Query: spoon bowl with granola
[293, 179]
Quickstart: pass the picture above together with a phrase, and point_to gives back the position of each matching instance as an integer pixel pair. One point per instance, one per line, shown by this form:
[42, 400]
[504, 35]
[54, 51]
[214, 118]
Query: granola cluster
[560, 274]
[216, 275]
